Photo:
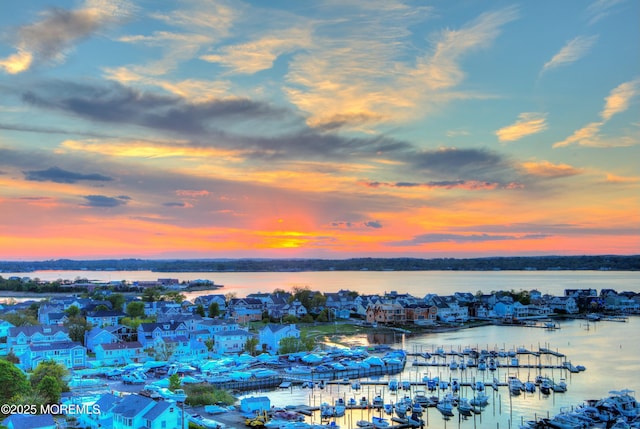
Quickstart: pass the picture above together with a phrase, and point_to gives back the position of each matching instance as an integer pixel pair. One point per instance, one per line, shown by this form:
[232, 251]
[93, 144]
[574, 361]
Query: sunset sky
[330, 129]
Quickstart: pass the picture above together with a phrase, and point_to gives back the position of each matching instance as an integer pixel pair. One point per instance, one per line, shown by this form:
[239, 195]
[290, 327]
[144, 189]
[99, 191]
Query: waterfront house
[20, 337]
[70, 354]
[231, 341]
[563, 304]
[119, 353]
[136, 411]
[30, 421]
[386, 314]
[270, 336]
[105, 317]
[421, 314]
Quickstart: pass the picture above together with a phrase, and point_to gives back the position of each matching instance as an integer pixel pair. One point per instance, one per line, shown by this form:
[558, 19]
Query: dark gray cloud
[373, 224]
[461, 238]
[174, 204]
[452, 165]
[58, 175]
[116, 103]
[104, 201]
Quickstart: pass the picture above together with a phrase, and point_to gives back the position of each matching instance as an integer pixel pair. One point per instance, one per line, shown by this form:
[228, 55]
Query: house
[70, 354]
[97, 336]
[20, 337]
[207, 300]
[119, 353]
[386, 314]
[270, 336]
[178, 348]
[563, 304]
[104, 419]
[4, 328]
[30, 421]
[254, 405]
[421, 314]
[136, 411]
[105, 317]
[148, 332]
[231, 341]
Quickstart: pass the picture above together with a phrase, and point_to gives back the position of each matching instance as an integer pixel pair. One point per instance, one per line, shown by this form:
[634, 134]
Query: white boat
[453, 366]
[559, 387]
[380, 423]
[393, 385]
[464, 406]
[364, 424]
[377, 402]
[480, 400]
[445, 406]
[388, 408]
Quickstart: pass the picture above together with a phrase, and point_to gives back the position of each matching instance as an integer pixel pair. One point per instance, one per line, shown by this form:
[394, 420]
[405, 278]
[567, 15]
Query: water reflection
[608, 350]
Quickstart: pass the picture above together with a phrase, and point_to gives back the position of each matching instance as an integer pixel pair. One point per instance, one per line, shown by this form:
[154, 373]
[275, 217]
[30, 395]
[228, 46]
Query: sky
[318, 129]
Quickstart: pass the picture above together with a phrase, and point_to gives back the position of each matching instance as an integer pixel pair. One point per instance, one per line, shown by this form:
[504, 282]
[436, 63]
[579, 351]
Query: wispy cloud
[571, 52]
[547, 169]
[254, 56]
[617, 102]
[528, 123]
[600, 9]
[58, 30]
[464, 238]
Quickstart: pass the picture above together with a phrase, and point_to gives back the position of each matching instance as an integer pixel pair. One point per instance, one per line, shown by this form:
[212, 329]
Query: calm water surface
[417, 283]
[609, 350]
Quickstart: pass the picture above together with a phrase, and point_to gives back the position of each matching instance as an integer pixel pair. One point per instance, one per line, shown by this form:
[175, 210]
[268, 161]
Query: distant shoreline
[501, 263]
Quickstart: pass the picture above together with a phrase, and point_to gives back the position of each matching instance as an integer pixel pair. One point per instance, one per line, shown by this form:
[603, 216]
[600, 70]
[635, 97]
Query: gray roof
[30, 330]
[131, 405]
[29, 421]
[158, 409]
[59, 345]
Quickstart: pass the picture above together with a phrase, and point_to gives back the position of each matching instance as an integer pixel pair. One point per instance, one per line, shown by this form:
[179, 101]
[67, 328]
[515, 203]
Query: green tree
[50, 368]
[77, 326]
[50, 389]
[209, 342]
[200, 310]
[72, 311]
[117, 301]
[251, 345]
[13, 381]
[151, 294]
[135, 309]
[20, 319]
[289, 318]
[214, 310]
[174, 296]
[174, 382]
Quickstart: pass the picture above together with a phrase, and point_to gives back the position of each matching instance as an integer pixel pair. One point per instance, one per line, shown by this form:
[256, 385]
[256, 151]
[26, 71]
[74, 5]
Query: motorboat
[380, 423]
[445, 406]
[464, 406]
[364, 424]
[388, 408]
[377, 402]
[480, 400]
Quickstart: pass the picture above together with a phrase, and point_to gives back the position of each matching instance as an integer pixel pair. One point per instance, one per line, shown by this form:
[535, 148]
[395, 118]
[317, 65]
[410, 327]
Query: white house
[270, 336]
